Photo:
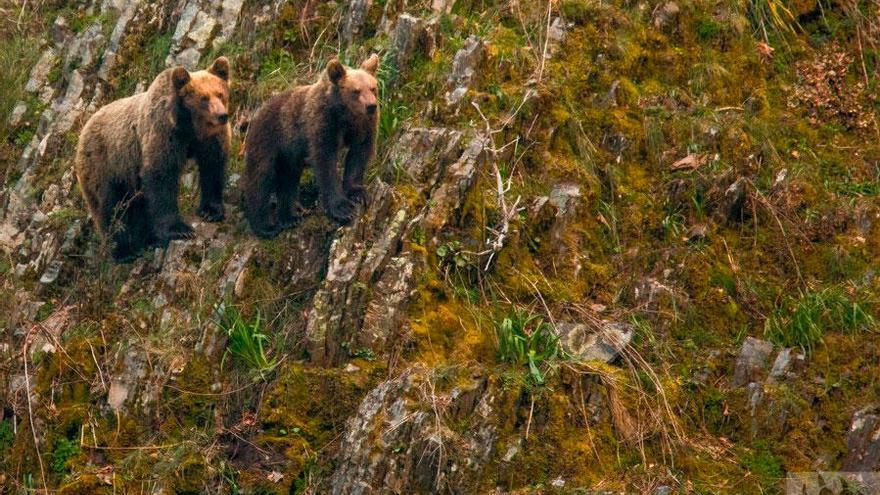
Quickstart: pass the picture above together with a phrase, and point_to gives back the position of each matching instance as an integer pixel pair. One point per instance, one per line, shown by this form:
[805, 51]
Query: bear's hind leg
[287, 192]
[160, 188]
[258, 184]
[126, 223]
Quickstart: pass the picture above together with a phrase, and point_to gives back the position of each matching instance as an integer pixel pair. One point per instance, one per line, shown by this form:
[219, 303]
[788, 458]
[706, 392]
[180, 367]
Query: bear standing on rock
[307, 126]
[131, 153]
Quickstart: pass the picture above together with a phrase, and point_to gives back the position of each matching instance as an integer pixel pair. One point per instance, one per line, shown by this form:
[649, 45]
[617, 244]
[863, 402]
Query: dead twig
[27, 391]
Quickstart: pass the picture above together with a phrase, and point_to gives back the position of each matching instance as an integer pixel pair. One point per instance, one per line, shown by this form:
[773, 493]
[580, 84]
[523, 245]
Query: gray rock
[230, 11]
[202, 25]
[863, 441]
[564, 196]
[393, 443]
[60, 31]
[590, 344]
[356, 257]
[664, 14]
[125, 9]
[464, 66]
[41, 70]
[234, 272]
[455, 184]
[17, 113]
[201, 30]
[734, 199]
[752, 361]
[51, 273]
[556, 35]
[512, 449]
[354, 18]
[368, 281]
[442, 6]
[409, 39]
[781, 365]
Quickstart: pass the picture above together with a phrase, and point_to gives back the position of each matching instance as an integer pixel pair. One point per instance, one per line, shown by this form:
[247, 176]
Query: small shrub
[64, 450]
[246, 341]
[525, 339]
[802, 321]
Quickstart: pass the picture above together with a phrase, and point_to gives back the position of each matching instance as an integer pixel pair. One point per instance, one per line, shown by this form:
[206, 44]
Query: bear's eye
[204, 98]
[355, 91]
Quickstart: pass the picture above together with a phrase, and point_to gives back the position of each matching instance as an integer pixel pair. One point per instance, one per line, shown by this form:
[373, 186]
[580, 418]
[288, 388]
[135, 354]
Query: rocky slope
[674, 204]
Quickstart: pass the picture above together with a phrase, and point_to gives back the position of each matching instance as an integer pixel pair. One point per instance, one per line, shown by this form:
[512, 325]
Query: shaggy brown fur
[131, 153]
[307, 126]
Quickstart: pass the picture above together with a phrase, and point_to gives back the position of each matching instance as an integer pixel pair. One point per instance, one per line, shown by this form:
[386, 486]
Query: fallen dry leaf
[692, 162]
[105, 474]
[765, 50]
[274, 476]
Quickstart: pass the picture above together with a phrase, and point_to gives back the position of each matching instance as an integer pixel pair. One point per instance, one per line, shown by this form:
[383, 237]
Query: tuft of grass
[246, 342]
[802, 321]
[17, 55]
[391, 111]
[772, 15]
[526, 339]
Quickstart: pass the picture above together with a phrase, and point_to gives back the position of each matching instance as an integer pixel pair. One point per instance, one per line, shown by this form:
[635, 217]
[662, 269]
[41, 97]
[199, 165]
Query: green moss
[761, 462]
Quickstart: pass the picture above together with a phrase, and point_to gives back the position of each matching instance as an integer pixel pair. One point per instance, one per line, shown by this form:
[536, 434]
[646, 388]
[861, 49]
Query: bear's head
[358, 90]
[205, 95]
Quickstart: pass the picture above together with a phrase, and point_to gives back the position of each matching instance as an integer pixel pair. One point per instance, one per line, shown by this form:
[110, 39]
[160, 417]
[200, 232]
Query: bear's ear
[335, 71]
[371, 64]
[220, 68]
[179, 77]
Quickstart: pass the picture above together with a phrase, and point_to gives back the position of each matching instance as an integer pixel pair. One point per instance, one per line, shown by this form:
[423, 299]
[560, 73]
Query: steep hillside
[610, 247]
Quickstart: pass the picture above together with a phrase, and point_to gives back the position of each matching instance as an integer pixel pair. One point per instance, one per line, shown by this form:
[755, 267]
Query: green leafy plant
[364, 353]
[451, 255]
[64, 450]
[525, 339]
[802, 321]
[246, 342]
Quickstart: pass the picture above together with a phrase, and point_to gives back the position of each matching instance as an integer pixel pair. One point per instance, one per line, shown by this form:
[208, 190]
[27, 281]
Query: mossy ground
[617, 104]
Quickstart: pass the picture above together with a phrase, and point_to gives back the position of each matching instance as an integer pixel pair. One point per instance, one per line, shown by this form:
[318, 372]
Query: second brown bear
[307, 126]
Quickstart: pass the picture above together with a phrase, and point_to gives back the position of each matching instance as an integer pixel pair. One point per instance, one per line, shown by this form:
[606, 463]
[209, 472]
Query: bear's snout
[223, 118]
[371, 108]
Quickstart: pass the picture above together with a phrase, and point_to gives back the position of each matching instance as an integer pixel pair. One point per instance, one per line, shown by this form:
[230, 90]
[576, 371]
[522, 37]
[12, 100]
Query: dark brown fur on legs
[131, 153]
[307, 126]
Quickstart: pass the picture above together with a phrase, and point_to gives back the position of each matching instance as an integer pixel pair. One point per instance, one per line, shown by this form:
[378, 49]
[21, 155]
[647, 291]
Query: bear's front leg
[337, 206]
[211, 157]
[160, 189]
[356, 161]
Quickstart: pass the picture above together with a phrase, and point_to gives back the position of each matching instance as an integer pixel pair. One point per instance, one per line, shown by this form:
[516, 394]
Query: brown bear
[131, 153]
[307, 126]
